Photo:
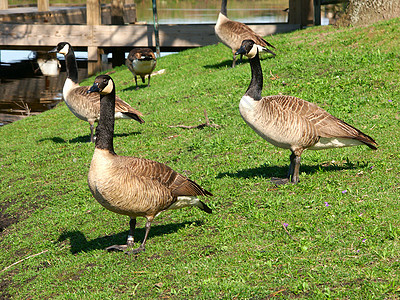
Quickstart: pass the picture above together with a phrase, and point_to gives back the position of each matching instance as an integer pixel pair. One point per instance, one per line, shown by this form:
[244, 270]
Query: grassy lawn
[335, 235]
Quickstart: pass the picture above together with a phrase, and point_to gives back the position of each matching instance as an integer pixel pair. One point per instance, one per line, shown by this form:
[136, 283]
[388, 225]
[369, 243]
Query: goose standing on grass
[83, 105]
[292, 123]
[133, 186]
[232, 33]
[141, 62]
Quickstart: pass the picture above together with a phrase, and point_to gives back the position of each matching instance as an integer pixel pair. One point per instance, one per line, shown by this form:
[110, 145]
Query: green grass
[342, 238]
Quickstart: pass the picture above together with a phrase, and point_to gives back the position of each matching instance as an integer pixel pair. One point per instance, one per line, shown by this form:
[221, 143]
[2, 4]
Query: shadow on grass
[133, 87]
[281, 172]
[224, 64]
[228, 63]
[84, 138]
[79, 243]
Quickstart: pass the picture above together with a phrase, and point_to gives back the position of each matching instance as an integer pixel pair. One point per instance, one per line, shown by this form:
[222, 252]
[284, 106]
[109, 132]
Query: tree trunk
[364, 12]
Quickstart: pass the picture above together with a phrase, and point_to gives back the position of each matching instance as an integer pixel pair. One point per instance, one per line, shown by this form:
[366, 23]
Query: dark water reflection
[24, 91]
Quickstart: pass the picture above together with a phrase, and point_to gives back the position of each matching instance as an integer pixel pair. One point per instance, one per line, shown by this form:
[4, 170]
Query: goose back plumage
[309, 124]
[84, 105]
[137, 187]
[232, 33]
[292, 123]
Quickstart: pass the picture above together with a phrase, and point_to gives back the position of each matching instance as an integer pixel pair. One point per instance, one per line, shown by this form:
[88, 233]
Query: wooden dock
[178, 36]
[45, 30]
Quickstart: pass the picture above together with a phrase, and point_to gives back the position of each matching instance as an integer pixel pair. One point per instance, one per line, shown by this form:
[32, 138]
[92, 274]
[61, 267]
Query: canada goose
[292, 123]
[141, 62]
[132, 186]
[232, 33]
[83, 105]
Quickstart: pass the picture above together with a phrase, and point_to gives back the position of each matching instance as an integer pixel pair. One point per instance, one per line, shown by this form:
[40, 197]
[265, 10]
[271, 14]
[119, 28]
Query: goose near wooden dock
[292, 123]
[141, 62]
[83, 105]
[232, 33]
[132, 186]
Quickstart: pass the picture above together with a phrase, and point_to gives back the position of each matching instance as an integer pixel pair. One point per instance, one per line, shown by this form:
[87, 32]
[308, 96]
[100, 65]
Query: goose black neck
[223, 8]
[256, 84]
[105, 129]
[71, 66]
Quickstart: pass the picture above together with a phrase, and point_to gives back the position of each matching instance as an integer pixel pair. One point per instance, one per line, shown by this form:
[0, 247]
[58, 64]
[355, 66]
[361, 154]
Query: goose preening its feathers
[292, 123]
[83, 105]
[133, 186]
[141, 62]
[232, 33]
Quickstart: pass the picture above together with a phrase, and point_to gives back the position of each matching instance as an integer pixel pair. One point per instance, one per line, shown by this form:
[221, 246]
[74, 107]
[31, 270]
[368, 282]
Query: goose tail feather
[134, 116]
[204, 207]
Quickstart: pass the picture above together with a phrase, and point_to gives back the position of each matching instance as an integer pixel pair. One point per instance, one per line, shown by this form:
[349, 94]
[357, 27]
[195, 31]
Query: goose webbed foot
[279, 181]
[141, 248]
[117, 248]
[293, 172]
[127, 249]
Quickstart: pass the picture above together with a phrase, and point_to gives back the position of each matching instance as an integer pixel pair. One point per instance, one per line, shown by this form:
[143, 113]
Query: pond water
[192, 11]
[25, 91]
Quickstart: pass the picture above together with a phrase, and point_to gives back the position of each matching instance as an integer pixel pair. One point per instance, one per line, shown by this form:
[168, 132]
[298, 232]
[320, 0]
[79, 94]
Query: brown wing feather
[125, 108]
[93, 100]
[245, 32]
[325, 124]
[178, 184]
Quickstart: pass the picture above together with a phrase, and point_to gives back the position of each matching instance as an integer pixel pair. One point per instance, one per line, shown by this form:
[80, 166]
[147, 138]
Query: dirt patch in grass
[5, 218]
[4, 283]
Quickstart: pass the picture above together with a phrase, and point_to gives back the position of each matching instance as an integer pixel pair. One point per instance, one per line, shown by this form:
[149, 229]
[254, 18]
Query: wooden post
[93, 17]
[317, 12]
[43, 5]
[117, 18]
[294, 11]
[117, 12]
[3, 4]
[307, 13]
[301, 12]
[155, 22]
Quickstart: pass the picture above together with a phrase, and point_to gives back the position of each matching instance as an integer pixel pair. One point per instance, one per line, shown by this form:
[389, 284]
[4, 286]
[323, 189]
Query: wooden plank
[93, 15]
[44, 35]
[62, 15]
[3, 4]
[43, 5]
[186, 35]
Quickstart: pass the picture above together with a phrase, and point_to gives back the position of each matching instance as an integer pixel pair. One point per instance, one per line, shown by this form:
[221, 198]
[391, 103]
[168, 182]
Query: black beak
[241, 51]
[53, 50]
[94, 88]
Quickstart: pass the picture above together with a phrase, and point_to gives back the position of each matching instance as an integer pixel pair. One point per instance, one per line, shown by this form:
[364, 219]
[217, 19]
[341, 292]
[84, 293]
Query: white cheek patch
[252, 52]
[64, 49]
[109, 87]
